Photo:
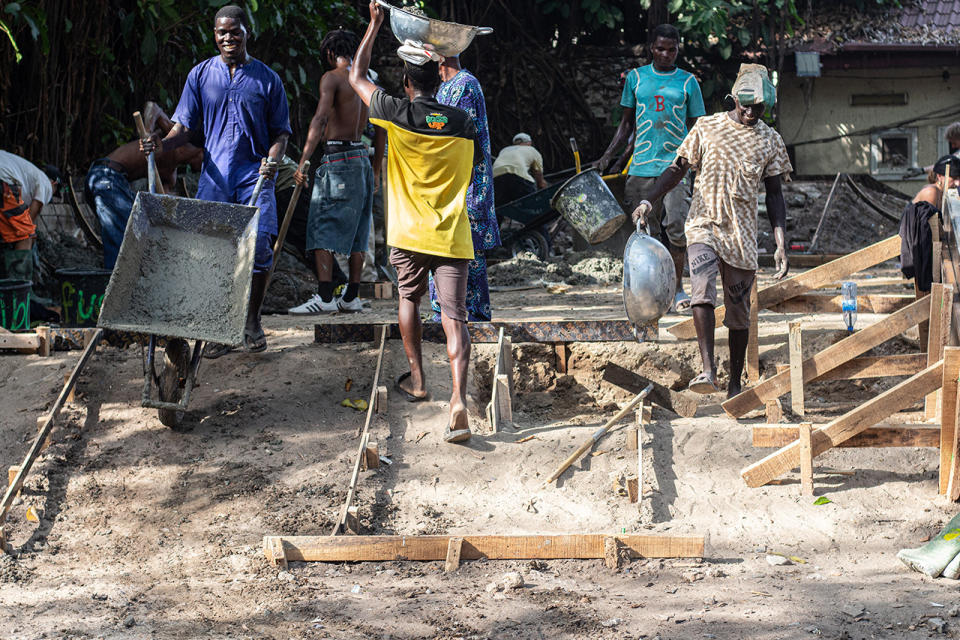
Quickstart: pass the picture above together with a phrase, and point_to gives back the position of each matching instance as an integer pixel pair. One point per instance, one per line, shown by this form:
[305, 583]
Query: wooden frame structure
[932, 376]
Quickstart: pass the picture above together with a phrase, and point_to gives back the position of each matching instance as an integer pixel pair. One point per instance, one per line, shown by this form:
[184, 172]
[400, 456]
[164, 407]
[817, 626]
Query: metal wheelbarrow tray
[184, 270]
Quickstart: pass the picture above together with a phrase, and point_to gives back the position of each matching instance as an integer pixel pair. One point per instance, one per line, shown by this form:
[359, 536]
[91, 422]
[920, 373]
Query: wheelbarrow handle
[257, 189]
[153, 181]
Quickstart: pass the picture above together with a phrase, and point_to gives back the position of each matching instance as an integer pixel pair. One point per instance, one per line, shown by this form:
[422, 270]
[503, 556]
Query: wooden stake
[12, 475]
[500, 409]
[806, 460]
[562, 350]
[454, 546]
[71, 397]
[948, 416]
[371, 458]
[45, 348]
[276, 553]
[611, 553]
[846, 426]
[380, 401]
[527, 547]
[941, 308]
[352, 522]
[753, 342]
[774, 411]
[796, 368]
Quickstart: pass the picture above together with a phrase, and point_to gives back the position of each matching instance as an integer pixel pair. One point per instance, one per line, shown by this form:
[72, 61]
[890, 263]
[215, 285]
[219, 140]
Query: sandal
[213, 350]
[453, 437]
[409, 397]
[703, 383]
[681, 302]
[254, 342]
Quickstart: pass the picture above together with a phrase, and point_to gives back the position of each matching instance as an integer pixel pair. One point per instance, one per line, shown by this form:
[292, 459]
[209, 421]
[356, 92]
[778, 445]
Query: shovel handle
[153, 181]
[576, 152]
[287, 218]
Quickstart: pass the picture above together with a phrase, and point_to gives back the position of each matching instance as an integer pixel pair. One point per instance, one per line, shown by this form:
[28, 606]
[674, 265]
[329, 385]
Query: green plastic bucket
[81, 294]
[15, 305]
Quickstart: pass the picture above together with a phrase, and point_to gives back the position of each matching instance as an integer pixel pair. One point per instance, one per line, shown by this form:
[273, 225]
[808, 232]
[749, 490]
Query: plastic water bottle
[849, 304]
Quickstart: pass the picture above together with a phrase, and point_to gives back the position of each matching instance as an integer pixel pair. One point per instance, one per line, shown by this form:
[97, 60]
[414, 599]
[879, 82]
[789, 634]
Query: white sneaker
[353, 306]
[314, 306]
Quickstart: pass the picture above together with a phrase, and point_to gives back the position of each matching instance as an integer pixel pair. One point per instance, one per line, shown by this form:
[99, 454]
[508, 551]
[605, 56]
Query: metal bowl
[449, 38]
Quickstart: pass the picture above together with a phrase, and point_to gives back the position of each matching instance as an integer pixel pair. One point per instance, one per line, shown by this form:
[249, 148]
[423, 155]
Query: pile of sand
[574, 268]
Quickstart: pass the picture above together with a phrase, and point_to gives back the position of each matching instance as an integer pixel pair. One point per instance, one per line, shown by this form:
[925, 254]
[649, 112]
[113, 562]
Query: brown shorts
[449, 278]
[705, 264]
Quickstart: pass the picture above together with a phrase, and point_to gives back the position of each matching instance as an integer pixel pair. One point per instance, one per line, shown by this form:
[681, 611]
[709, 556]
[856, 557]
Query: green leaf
[148, 48]
[822, 500]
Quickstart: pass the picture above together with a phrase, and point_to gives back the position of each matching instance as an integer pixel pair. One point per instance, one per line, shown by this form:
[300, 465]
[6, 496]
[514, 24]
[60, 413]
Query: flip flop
[212, 351]
[254, 342]
[460, 435]
[681, 303]
[703, 384]
[409, 397]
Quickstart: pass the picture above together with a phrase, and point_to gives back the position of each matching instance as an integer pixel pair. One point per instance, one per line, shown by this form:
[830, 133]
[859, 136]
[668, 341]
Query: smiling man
[732, 153]
[660, 104]
[238, 107]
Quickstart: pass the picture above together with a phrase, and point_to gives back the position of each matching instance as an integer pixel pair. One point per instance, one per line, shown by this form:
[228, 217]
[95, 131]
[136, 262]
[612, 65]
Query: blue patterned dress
[463, 91]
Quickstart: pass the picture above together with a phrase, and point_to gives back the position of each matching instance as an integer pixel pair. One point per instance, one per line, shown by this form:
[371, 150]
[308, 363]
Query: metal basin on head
[449, 38]
[184, 270]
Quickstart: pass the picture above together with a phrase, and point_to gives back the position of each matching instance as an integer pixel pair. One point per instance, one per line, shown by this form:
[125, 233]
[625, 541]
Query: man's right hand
[300, 178]
[641, 212]
[153, 144]
[376, 13]
[603, 163]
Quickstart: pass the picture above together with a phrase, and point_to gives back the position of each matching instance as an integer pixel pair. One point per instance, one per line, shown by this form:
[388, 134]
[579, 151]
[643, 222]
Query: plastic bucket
[589, 206]
[15, 305]
[81, 294]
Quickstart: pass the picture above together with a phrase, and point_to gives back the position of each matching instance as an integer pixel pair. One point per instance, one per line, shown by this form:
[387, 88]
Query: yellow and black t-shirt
[430, 160]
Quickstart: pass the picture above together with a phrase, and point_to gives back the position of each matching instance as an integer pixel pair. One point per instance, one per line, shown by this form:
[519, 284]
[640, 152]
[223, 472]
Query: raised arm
[361, 62]
[777, 214]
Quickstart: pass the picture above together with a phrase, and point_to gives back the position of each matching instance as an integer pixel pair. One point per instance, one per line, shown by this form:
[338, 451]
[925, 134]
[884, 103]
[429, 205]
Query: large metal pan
[449, 38]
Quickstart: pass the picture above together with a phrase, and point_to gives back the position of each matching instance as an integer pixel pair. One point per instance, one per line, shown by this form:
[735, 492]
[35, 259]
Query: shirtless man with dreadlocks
[341, 207]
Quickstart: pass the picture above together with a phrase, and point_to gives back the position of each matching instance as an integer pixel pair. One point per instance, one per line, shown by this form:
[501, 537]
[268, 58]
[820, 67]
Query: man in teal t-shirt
[660, 104]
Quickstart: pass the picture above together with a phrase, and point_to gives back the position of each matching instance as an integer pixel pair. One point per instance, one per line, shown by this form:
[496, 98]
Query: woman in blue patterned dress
[461, 89]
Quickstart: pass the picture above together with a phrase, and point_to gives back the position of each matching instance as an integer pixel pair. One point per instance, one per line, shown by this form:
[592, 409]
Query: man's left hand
[269, 168]
[781, 262]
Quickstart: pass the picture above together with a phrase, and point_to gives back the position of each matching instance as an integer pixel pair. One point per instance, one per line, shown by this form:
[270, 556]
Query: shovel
[153, 182]
[287, 218]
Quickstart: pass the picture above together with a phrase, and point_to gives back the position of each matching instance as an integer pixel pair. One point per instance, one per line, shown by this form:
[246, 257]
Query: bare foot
[405, 384]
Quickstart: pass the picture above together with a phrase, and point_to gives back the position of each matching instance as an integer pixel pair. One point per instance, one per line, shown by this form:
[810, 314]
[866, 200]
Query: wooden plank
[364, 440]
[941, 297]
[38, 442]
[901, 364]
[846, 426]
[46, 344]
[795, 343]
[753, 340]
[19, 341]
[953, 485]
[948, 415]
[276, 554]
[683, 404]
[806, 460]
[830, 303]
[773, 411]
[524, 547]
[830, 358]
[874, 437]
[454, 547]
[808, 280]
[562, 351]
[380, 404]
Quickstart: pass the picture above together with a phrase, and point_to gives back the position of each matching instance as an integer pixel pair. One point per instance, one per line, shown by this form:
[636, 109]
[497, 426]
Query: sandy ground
[148, 533]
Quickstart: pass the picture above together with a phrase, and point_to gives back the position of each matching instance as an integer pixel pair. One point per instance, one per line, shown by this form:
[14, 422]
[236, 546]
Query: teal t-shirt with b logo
[663, 102]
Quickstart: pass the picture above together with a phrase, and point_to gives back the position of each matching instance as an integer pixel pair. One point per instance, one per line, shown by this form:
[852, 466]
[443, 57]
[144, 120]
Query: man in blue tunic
[238, 106]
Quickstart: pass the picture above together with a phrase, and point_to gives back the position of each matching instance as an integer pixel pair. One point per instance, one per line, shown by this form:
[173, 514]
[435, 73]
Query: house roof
[931, 24]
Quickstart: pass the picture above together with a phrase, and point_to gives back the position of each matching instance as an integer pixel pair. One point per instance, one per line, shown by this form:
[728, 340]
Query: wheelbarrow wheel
[532, 241]
[176, 365]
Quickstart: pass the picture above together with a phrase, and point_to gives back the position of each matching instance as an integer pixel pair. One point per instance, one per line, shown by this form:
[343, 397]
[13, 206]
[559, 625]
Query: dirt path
[146, 533]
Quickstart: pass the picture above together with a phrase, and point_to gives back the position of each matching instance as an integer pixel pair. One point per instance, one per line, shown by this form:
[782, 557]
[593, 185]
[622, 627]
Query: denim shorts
[341, 208]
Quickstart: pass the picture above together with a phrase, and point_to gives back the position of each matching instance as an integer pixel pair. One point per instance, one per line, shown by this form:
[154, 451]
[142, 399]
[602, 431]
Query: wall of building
[813, 108]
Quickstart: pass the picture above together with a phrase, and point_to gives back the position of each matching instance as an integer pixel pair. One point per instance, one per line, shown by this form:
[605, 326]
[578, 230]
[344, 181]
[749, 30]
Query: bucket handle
[484, 31]
[643, 229]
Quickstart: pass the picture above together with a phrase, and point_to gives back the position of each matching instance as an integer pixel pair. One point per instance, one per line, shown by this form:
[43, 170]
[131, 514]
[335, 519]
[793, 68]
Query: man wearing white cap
[732, 153]
[518, 170]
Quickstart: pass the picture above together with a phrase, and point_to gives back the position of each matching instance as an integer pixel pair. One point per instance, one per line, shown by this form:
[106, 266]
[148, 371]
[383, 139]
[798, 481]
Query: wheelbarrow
[183, 273]
[532, 212]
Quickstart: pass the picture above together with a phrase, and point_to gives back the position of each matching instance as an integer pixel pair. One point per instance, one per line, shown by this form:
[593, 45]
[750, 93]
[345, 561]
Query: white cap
[522, 137]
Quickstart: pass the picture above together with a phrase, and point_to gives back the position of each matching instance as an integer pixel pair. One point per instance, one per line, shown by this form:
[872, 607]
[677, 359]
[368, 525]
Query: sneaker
[314, 306]
[353, 306]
